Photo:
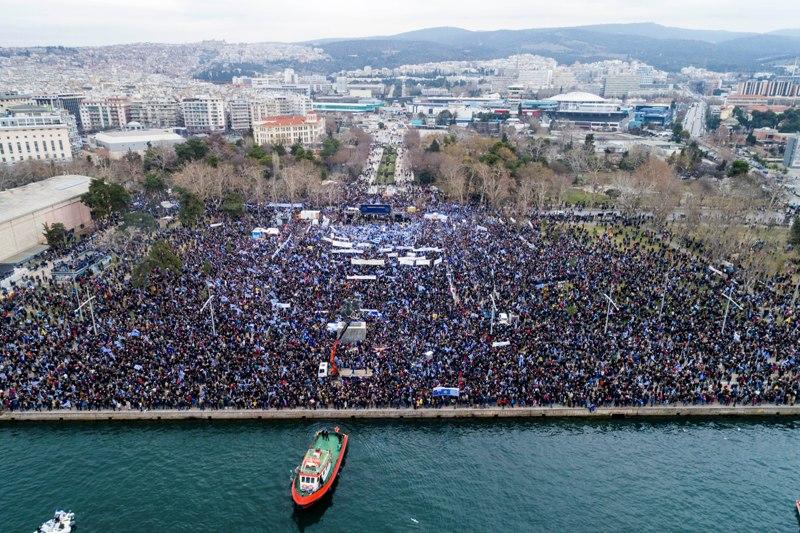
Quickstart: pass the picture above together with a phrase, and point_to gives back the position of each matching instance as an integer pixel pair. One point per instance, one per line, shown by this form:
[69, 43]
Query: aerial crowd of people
[549, 310]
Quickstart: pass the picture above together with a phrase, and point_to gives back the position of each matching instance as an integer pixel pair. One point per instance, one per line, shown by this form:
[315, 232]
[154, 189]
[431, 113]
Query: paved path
[460, 412]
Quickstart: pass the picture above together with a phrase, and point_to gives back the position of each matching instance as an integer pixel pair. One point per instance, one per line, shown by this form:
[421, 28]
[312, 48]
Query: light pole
[91, 311]
[608, 310]
[727, 308]
[663, 295]
[211, 310]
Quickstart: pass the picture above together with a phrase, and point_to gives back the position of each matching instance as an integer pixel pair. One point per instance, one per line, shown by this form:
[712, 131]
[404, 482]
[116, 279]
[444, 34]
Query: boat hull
[304, 501]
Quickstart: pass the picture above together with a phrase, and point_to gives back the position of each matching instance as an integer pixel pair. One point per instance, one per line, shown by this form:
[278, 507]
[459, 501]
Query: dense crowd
[514, 314]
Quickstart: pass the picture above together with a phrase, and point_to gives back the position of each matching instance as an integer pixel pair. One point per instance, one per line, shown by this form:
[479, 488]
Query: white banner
[369, 262]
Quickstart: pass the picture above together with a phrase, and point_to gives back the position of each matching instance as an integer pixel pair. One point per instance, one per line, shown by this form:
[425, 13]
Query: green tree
[192, 209]
[794, 233]
[139, 220]
[738, 168]
[103, 198]
[191, 150]
[233, 204]
[56, 235]
[162, 256]
[154, 183]
[329, 147]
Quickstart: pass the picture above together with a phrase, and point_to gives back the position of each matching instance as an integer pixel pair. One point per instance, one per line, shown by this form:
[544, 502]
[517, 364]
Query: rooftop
[131, 136]
[577, 97]
[288, 120]
[21, 201]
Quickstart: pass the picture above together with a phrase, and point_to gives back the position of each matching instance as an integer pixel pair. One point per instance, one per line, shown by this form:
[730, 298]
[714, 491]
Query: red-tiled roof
[286, 120]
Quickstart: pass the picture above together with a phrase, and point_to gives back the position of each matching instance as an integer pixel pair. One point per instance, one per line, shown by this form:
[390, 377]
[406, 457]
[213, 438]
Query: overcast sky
[94, 22]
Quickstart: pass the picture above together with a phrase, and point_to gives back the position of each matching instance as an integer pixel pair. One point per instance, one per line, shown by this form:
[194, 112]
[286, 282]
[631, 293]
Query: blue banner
[445, 391]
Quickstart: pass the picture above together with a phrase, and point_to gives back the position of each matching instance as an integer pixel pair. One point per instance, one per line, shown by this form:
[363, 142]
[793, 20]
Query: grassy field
[385, 175]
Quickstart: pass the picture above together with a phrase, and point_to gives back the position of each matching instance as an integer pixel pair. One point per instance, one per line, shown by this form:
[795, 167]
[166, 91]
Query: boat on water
[314, 478]
[61, 522]
[797, 504]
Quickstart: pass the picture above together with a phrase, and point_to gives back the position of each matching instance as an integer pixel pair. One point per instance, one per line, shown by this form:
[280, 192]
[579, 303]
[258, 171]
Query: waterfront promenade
[424, 413]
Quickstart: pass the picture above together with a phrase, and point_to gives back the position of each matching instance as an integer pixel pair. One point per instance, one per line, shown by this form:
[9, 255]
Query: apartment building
[239, 114]
[279, 104]
[104, 113]
[156, 112]
[306, 129]
[203, 114]
[29, 132]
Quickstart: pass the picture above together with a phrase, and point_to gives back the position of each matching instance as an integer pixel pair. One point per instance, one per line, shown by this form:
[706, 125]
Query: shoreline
[672, 411]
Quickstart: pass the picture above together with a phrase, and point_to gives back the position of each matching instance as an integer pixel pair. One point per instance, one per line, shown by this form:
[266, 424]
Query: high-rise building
[791, 157]
[535, 79]
[239, 114]
[31, 132]
[99, 114]
[306, 129]
[203, 114]
[621, 85]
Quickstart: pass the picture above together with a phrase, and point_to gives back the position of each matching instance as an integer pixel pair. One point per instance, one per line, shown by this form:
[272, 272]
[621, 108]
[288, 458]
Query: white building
[119, 143]
[621, 85]
[34, 133]
[156, 112]
[287, 130]
[239, 114]
[279, 104]
[535, 79]
[104, 113]
[203, 114]
[25, 210]
[8, 100]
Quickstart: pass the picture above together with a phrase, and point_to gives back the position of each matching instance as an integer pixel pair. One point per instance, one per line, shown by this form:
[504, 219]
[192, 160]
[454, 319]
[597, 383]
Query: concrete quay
[671, 411]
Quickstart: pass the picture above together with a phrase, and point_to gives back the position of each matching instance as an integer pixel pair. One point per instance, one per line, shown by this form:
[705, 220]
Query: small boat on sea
[797, 505]
[61, 522]
[315, 476]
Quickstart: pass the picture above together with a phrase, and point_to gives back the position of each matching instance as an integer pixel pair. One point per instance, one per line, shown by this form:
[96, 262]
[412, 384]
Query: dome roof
[134, 125]
[577, 97]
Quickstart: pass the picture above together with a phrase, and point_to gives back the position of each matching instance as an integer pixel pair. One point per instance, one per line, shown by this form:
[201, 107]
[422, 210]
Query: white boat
[61, 522]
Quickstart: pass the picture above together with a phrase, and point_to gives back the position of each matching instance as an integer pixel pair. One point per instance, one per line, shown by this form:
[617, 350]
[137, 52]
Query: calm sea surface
[729, 475]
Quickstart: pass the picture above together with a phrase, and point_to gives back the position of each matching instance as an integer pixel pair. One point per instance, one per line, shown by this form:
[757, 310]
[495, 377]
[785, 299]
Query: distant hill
[664, 47]
[787, 33]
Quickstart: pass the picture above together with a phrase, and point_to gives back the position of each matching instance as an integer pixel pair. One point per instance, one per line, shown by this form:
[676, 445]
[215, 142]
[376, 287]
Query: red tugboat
[314, 478]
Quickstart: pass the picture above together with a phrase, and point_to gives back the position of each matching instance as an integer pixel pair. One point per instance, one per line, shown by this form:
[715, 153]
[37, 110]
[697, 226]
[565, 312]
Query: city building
[239, 117]
[24, 211]
[8, 100]
[71, 102]
[586, 110]
[272, 105]
[287, 130]
[791, 158]
[156, 112]
[119, 143]
[203, 114]
[621, 85]
[771, 87]
[652, 114]
[104, 113]
[346, 105]
[30, 132]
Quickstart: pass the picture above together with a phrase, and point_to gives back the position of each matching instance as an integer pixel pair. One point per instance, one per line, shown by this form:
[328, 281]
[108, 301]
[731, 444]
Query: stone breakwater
[457, 412]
